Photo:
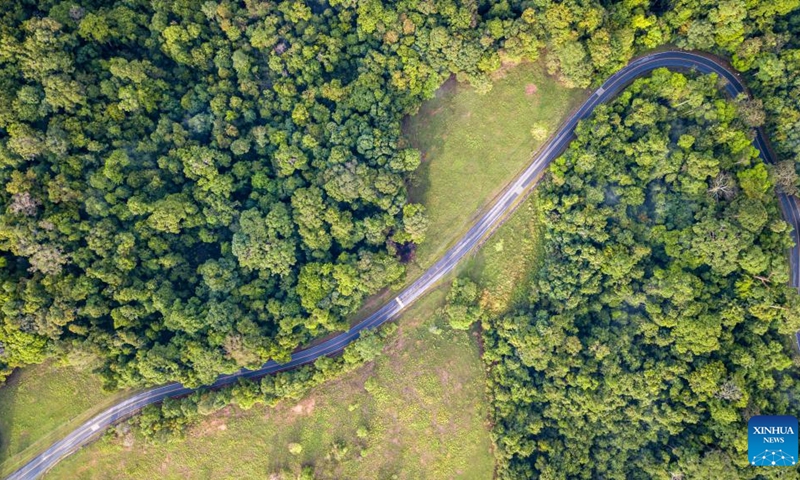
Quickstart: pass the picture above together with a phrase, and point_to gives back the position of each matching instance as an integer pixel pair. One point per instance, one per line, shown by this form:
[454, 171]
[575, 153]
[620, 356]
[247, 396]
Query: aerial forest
[193, 187]
[662, 318]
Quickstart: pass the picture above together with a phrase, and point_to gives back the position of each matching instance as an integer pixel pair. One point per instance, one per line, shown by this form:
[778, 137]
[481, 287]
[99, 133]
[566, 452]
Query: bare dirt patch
[165, 464]
[285, 414]
[305, 407]
[447, 380]
[214, 423]
[397, 344]
[531, 89]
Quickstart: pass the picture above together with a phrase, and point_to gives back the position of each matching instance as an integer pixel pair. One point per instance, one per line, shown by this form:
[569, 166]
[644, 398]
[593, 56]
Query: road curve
[674, 59]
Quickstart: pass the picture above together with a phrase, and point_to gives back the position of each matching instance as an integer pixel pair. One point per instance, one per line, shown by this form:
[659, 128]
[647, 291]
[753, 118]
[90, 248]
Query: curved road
[641, 66]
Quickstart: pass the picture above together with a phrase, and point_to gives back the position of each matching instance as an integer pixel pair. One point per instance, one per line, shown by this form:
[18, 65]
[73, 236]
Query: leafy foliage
[193, 187]
[461, 309]
[660, 321]
[169, 420]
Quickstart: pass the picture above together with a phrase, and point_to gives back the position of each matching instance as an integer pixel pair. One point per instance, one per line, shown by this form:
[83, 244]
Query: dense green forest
[192, 187]
[196, 186]
[662, 318]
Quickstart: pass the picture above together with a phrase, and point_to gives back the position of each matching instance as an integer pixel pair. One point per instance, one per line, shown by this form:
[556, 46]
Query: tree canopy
[662, 318]
[195, 186]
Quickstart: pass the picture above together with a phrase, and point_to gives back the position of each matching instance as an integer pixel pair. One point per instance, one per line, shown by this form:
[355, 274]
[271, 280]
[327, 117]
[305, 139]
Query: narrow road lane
[487, 223]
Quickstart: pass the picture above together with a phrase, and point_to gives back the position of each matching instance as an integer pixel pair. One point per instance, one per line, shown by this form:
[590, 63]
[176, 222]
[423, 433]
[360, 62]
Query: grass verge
[474, 145]
[505, 264]
[417, 412]
[40, 404]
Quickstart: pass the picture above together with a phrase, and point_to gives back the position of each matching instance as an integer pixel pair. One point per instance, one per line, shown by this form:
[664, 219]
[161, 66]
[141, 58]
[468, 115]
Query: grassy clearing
[418, 412]
[473, 145]
[39, 404]
[508, 260]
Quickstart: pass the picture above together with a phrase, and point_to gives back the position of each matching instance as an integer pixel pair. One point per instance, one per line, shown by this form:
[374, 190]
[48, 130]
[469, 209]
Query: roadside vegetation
[407, 380]
[525, 89]
[474, 143]
[521, 89]
[41, 403]
[509, 258]
[418, 411]
[168, 165]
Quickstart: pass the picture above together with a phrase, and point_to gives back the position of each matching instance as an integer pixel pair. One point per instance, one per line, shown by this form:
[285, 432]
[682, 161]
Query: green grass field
[39, 404]
[417, 412]
[473, 145]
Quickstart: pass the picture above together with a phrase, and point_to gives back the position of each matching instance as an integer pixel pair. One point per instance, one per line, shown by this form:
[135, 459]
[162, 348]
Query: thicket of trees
[662, 318]
[191, 187]
[461, 309]
[169, 420]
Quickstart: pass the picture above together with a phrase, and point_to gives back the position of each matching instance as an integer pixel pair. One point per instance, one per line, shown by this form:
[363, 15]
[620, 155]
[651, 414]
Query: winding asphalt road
[679, 60]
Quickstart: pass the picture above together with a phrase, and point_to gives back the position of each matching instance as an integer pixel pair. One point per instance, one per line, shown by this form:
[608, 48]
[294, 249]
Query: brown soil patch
[165, 464]
[353, 381]
[214, 423]
[531, 89]
[397, 344]
[425, 457]
[305, 407]
[395, 429]
[446, 380]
